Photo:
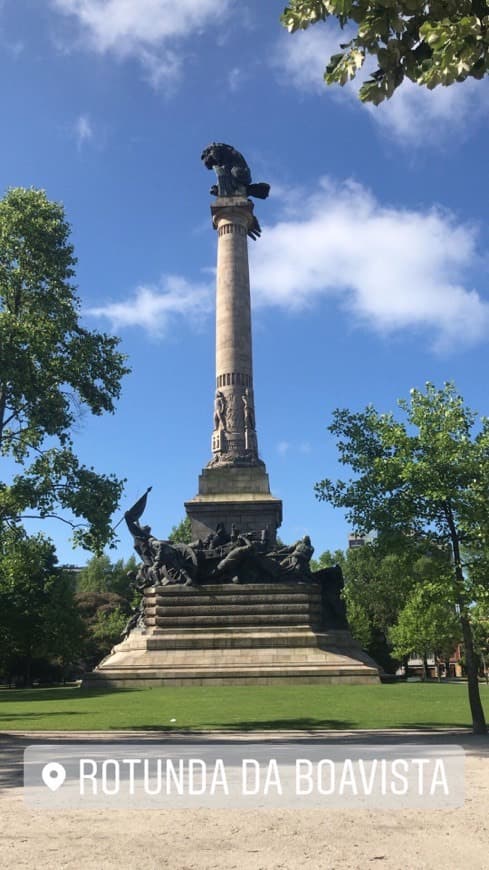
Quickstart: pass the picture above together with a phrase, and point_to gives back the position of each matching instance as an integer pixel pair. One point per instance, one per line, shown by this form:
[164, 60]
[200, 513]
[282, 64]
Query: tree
[122, 578]
[425, 479]
[327, 559]
[63, 625]
[27, 568]
[51, 369]
[102, 575]
[431, 43]
[38, 618]
[479, 617]
[94, 577]
[428, 624]
[107, 629]
[104, 615]
[181, 534]
[378, 583]
[360, 624]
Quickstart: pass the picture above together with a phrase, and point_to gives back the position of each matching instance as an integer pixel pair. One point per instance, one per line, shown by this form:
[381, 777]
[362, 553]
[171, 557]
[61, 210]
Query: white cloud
[155, 308]
[283, 447]
[161, 70]
[413, 116]
[150, 30]
[416, 116]
[303, 55]
[236, 77]
[83, 130]
[392, 268]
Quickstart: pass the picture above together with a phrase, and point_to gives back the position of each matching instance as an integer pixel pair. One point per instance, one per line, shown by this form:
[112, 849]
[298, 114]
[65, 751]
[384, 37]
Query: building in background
[355, 540]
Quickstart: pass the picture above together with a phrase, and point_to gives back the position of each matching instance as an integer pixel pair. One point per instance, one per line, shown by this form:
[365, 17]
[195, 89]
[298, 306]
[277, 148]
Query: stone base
[247, 514]
[255, 634]
[233, 480]
[234, 494]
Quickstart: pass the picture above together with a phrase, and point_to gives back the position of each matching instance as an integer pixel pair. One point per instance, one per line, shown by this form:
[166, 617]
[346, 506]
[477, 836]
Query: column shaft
[234, 436]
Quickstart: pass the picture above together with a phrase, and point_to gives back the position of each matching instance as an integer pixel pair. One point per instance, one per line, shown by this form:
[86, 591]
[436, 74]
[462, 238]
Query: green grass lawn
[411, 705]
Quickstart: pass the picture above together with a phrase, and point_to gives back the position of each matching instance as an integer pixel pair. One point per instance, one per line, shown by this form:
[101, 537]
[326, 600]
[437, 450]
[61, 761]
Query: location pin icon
[53, 775]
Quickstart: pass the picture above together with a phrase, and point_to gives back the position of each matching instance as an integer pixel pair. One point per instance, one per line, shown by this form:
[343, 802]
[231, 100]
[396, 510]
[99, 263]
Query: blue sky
[371, 273]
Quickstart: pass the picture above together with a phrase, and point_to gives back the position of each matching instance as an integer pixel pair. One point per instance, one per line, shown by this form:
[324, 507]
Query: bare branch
[52, 517]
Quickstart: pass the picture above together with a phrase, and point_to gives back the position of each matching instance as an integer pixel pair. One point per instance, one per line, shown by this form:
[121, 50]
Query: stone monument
[234, 487]
[232, 607]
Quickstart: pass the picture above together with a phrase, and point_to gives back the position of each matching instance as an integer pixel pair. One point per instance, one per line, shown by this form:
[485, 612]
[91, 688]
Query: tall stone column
[234, 486]
[234, 436]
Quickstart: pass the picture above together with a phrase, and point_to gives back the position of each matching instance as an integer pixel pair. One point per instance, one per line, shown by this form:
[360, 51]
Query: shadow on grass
[61, 694]
[296, 724]
[14, 717]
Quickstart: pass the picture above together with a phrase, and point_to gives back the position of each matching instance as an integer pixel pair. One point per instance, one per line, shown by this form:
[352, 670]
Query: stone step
[232, 620]
[259, 630]
[172, 642]
[286, 668]
[285, 674]
[235, 609]
[226, 600]
[255, 634]
[213, 658]
[235, 640]
[245, 589]
[129, 680]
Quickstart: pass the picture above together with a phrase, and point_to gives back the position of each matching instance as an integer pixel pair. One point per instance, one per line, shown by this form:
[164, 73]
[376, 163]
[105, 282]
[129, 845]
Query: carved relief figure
[232, 414]
[249, 414]
[220, 410]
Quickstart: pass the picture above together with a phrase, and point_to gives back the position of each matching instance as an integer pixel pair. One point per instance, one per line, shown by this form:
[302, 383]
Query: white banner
[248, 775]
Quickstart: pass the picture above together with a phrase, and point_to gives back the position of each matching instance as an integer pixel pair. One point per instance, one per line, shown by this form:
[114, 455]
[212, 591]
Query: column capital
[232, 209]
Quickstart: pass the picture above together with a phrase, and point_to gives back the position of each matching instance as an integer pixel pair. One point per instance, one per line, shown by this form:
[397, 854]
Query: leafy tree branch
[432, 43]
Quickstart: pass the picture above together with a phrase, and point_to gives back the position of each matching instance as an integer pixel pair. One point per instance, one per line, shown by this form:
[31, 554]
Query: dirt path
[246, 840]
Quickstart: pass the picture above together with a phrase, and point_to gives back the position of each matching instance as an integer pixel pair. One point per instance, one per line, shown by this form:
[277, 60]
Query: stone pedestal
[228, 634]
[233, 494]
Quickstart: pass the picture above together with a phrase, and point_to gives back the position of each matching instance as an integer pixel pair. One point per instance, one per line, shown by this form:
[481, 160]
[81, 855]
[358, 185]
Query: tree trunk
[27, 671]
[478, 719]
[425, 667]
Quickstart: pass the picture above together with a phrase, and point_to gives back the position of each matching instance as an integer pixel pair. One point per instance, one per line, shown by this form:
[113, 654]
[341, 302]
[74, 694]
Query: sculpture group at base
[223, 557]
[236, 557]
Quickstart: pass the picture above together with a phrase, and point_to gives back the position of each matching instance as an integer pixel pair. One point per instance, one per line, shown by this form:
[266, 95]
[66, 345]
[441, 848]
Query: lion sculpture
[233, 176]
[233, 172]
